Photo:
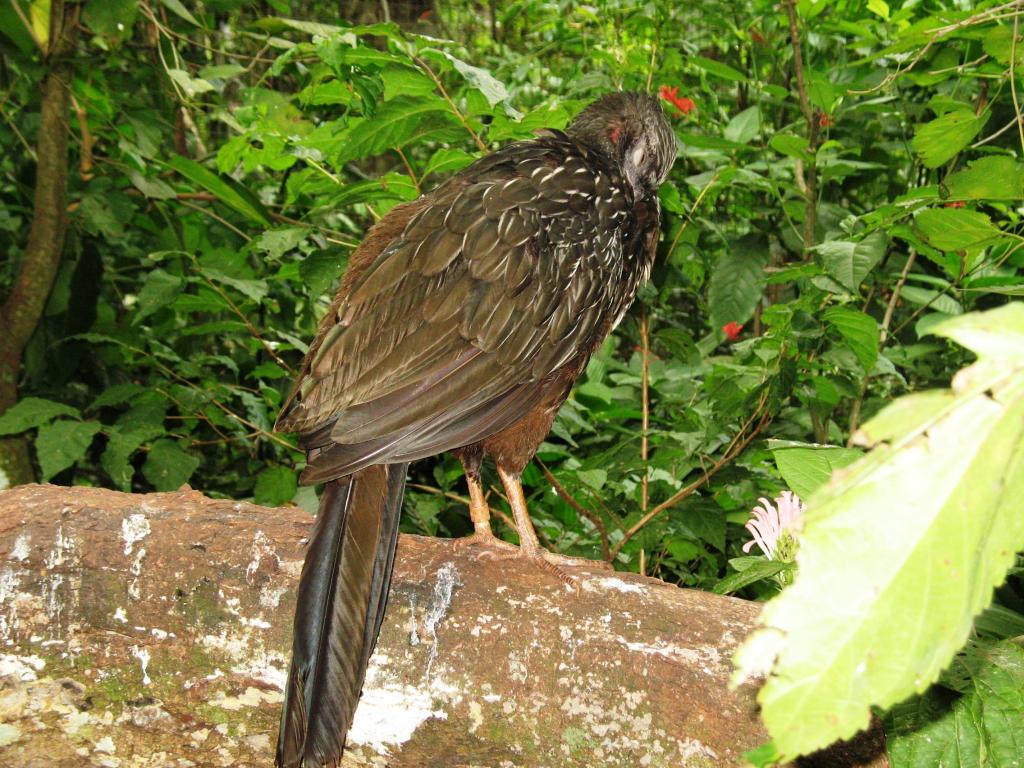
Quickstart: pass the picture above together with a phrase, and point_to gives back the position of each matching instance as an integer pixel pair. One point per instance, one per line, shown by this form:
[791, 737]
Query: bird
[461, 324]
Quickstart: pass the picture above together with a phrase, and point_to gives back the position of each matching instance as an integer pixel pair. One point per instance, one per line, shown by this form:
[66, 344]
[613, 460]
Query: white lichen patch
[134, 529]
[706, 657]
[261, 551]
[105, 745]
[390, 712]
[249, 657]
[120, 615]
[252, 697]
[610, 582]
[22, 548]
[20, 668]
[446, 581]
[9, 733]
[270, 596]
[143, 656]
[476, 716]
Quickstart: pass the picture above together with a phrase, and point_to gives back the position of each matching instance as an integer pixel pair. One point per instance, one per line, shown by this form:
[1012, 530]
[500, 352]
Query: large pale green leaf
[859, 330]
[901, 550]
[849, 261]
[737, 281]
[941, 139]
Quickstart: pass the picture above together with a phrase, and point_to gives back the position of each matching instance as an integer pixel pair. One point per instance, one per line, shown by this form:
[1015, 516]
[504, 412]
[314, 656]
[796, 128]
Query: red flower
[671, 95]
[956, 204]
[825, 120]
[732, 330]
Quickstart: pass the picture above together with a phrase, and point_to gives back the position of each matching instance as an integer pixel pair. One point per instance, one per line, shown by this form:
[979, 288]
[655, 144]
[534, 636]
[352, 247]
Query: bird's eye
[638, 156]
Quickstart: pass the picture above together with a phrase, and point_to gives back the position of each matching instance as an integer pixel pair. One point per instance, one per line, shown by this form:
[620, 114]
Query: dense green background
[227, 156]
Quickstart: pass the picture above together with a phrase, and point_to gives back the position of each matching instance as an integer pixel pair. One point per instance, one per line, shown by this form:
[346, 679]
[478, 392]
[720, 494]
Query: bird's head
[631, 129]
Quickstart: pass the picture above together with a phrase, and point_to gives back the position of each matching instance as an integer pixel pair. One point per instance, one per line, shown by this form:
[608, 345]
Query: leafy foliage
[832, 217]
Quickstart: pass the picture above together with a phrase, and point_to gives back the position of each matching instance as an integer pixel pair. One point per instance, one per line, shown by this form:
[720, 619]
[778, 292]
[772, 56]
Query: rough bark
[20, 312]
[154, 631]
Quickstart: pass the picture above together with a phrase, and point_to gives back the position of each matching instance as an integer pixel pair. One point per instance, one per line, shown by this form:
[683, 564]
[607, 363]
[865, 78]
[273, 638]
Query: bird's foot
[487, 541]
[551, 562]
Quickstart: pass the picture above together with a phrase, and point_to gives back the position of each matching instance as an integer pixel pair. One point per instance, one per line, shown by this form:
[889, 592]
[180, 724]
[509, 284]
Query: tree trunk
[24, 305]
[151, 631]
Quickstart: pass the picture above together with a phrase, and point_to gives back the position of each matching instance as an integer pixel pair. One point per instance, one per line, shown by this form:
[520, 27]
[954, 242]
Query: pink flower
[774, 526]
[732, 330]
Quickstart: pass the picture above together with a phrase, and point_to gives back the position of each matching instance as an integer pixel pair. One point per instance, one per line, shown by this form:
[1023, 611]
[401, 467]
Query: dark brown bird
[461, 324]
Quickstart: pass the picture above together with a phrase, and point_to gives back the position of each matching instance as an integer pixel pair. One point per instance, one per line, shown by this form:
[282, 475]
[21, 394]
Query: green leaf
[762, 569]
[940, 140]
[955, 229]
[229, 193]
[997, 177]
[736, 284]
[192, 86]
[320, 269]
[155, 189]
[791, 146]
[159, 290]
[926, 297]
[493, 89]
[806, 467]
[62, 443]
[275, 486]
[911, 540]
[167, 466]
[175, 6]
[31, 412]
[447, 161]
[254, 289]
[849, 262]
[395, 124]
[745, 126]
[982, 728]
[277, 242]
[717, 68]
[860, 331]
[117, 394]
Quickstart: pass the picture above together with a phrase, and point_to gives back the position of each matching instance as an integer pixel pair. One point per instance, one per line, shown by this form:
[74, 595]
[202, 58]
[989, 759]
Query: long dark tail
[341, 599]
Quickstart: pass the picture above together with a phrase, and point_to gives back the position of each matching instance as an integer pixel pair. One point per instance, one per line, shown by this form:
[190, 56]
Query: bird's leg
[479, 512]
[529, 546]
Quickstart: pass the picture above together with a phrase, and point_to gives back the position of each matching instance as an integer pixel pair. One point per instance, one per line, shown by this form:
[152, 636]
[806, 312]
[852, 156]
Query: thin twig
[645, 423]
[811, 173]
[883, 337]
[650, 70]
[689, 215]
[217, 218]
[938, 33]
[408, 169]
[451, 104]
[248, 323]
[580, 509]
[736, 446]
[1013, 79]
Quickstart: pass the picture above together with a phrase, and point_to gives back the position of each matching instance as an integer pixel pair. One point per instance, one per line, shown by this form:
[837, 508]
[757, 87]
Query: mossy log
[145, 631]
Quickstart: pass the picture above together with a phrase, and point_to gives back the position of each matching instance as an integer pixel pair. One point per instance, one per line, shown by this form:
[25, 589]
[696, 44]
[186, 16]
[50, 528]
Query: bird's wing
[504, 274]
